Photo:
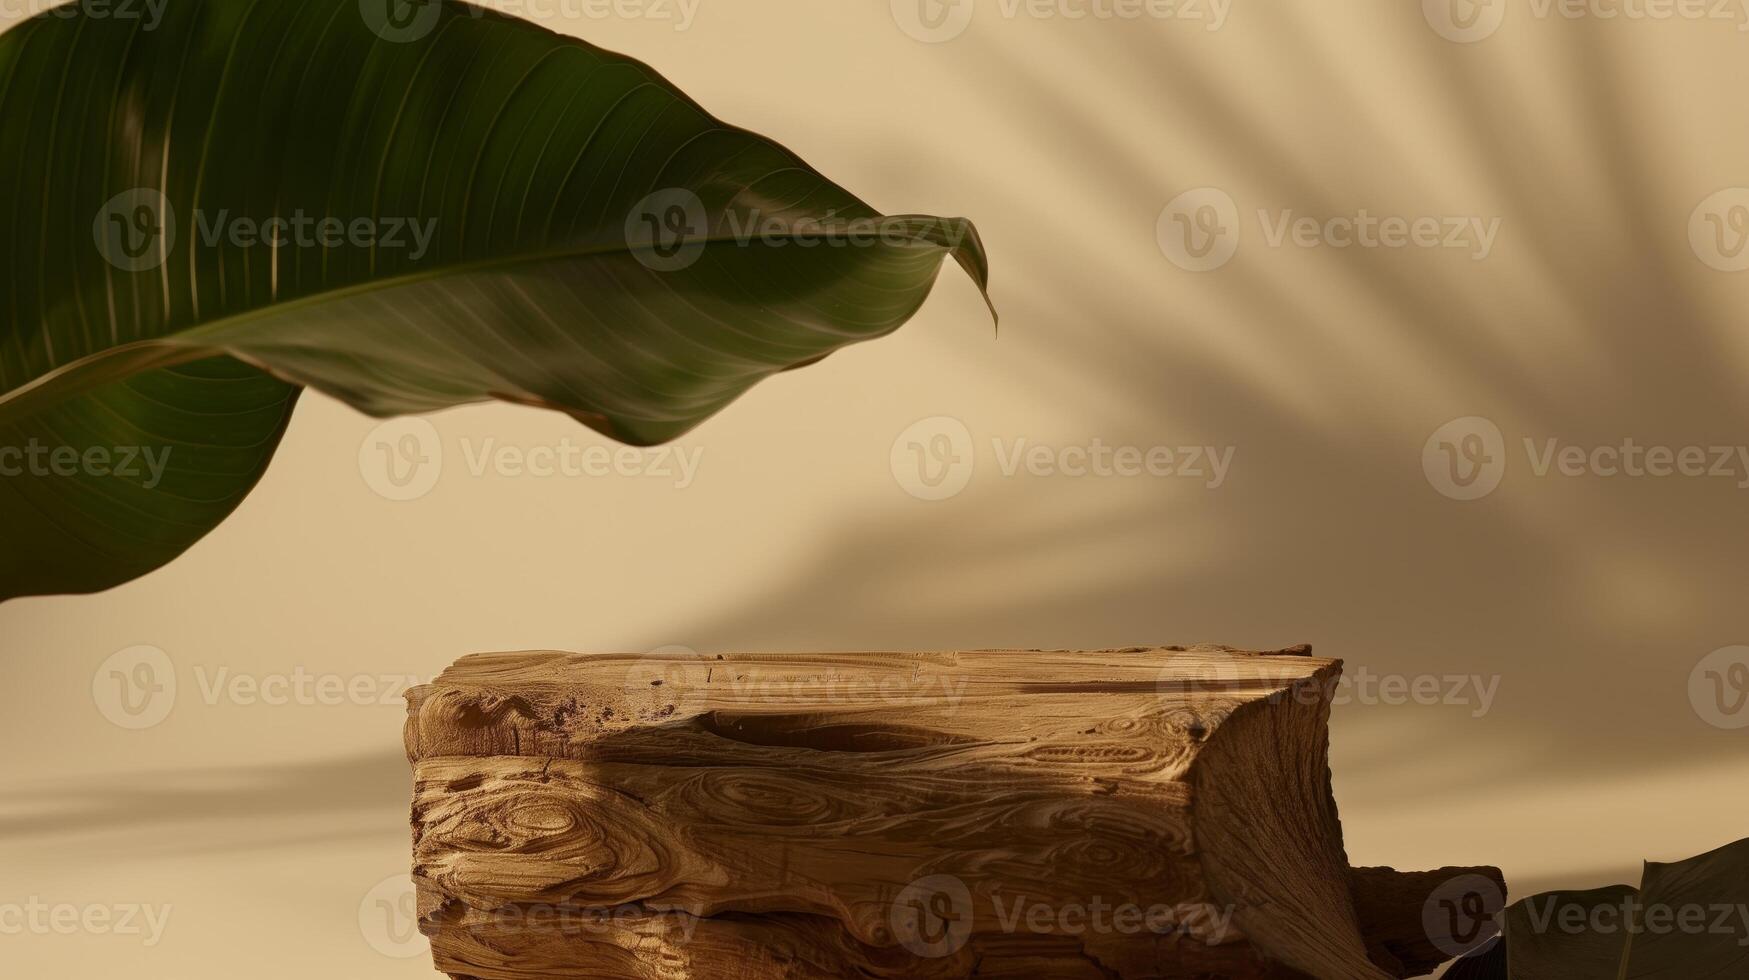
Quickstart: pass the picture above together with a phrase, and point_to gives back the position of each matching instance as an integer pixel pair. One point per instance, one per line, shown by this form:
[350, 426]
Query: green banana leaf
[404, 204]
[1693, 919]
[1686, 921]
[1565, 934]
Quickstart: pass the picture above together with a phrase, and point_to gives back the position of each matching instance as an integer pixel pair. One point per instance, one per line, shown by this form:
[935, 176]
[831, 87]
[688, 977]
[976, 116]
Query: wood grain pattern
[1136, 813]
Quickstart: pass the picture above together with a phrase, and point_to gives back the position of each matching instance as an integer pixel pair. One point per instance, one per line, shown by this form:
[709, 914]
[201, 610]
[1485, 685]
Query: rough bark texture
[1144, 813]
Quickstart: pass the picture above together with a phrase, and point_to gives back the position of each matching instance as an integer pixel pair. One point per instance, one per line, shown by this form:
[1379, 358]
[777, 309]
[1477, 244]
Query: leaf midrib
[188, 337]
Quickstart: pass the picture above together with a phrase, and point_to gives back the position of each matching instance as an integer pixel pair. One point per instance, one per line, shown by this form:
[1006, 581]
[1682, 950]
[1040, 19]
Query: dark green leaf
[1686, 921]
[1569, 935]
[406, 205]
[1693, 919]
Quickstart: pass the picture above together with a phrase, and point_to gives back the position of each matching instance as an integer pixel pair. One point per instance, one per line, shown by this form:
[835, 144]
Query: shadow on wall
[216, 810]
[1590, 599]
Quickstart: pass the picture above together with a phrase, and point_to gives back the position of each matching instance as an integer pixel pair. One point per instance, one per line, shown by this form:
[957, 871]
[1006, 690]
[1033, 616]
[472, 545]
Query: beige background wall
[1588, 600]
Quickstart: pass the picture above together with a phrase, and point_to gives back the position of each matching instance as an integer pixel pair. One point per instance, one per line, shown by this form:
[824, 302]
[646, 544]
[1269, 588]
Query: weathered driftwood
[1146, 813]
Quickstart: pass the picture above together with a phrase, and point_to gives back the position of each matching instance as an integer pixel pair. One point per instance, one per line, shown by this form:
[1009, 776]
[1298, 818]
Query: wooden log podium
[1141, 813]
